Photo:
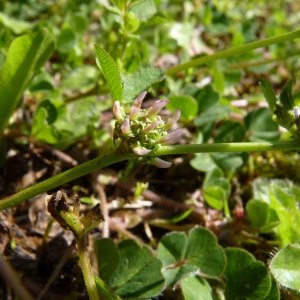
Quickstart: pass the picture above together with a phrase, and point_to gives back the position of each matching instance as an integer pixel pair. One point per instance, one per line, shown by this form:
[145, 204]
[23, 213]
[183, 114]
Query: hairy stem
[106, 160]
[233, 51]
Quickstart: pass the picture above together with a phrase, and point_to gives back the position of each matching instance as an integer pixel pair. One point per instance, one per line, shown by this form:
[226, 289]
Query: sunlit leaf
[140, 81]
[285, 266]
[110, 72]
[193, 286]
[25, 57]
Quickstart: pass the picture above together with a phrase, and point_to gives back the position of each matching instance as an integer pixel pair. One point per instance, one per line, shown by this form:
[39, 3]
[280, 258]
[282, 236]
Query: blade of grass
[25, 57]
[233, 51]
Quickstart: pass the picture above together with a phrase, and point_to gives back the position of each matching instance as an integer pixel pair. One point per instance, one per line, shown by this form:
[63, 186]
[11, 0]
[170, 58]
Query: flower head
[142, 131]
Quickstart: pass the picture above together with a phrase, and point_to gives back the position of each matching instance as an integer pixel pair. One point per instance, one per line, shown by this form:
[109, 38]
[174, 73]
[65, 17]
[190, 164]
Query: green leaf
[206, 97]
[214, 113]
[215, 196]
[44, 116]
[193, 286]
[286, 97]
[216, 189]
[274, 293]
[197, 252]
[260, 126]
[110, 72]
[81, 79]
[284, 200]
[144, 9]
[204, 252]
[171, 252]
[257, 212]
[78, 23]
[25, 57]
[269, 93]
[285, 267]
[140, 81]
[230, 132]
[228, 162]
[246, 278]
[186, 104]
[104, 292]
[138, 274]
[73, 121]
[261, 215]
[282, 196]
[108, 257]
[17, 26]
[203, 162]
[66, 40]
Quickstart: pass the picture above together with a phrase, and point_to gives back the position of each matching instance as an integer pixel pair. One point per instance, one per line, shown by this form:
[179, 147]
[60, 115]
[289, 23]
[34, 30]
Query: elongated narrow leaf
[25, 57]
[110, 72]
[286, 96]
[268, 93]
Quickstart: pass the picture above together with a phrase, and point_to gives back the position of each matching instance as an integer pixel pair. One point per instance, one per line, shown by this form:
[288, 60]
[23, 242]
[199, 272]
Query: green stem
[234, 51]
[87, 269]
[228, 147]
[250, 64]
[62, 178]
[106, 160]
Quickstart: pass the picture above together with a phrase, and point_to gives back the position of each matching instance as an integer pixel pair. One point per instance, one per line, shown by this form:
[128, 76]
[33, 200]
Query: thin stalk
[106, 160]
[228, 147]
[233, 51]
[86, 268]
[250, 64]
[62, 178]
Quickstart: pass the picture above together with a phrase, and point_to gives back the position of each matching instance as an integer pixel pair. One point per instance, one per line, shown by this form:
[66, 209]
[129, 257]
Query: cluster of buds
[143, 131]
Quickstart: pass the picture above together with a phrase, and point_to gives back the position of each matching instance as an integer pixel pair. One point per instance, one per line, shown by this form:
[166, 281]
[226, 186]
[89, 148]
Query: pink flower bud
[136, 106]
[118, 111]
[156, 108]
[152, 126]
[172, 120]
[160, 163]
[125, 127]
[141, 150]
[171, 138]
